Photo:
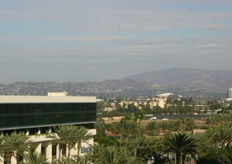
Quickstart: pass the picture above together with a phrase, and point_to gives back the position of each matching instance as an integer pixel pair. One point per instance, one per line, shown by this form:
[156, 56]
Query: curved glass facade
[22, 115]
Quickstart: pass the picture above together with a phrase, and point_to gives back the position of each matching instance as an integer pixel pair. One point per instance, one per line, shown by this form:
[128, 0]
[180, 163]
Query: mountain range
[185, 81]
[214, 81]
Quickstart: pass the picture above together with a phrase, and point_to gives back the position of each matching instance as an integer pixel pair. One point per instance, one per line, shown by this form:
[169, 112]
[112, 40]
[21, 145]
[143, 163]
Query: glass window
[39, 114]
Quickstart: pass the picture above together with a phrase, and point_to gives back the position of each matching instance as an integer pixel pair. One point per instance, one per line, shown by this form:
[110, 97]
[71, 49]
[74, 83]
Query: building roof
[46, 99]
[229, 99]
[164, 94]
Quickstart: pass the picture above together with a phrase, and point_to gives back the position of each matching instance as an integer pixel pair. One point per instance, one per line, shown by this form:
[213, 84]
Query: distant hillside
[215, 81]
[187, 82]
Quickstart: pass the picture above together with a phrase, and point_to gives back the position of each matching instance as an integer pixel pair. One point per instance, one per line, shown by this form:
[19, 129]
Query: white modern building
[37, 115]
[229, 93]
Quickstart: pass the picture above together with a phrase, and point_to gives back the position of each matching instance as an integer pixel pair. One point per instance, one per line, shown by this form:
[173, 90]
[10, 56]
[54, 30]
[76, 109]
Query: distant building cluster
[169, 100]
[157, 101]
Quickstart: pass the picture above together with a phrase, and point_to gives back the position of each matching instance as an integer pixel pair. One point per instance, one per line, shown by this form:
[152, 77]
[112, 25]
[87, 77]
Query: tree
[15, 144]
[141, 131]
[76, 159]
[69, 136]
[186, 124]
[118, 106]
[204, 143]
[151, 147]
[147, 107]
[34, 158]
[86, 159]
[166, 126]
[128, 117]
[101, 106]
[1, 145]
[82, 135]
[216, 156]
[140, 115]
[221, 135]
[229, 107]
[65, 160]
[101, 128]
[64, 135]
[132, 107]
[181, 144]
[126, 128]
[152, 128]
[114, 155]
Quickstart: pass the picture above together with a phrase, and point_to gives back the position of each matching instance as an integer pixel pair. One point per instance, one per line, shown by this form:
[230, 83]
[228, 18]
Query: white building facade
[37, 115]
[229, 93]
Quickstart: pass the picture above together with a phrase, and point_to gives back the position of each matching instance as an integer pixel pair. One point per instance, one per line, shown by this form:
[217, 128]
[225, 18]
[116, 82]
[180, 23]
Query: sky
[96, 40]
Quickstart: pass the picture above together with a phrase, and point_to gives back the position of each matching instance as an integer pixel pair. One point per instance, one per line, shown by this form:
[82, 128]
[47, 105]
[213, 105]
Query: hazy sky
[94, 40]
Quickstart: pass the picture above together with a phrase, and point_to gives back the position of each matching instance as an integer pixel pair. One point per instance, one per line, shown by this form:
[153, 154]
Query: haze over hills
[184, 81]
[215, 81]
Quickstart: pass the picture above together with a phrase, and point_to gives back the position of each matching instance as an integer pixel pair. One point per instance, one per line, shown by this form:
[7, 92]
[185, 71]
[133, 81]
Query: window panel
[22, 115]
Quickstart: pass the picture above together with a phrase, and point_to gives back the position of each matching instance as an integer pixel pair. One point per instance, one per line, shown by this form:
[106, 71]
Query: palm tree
[15, 144]
[86, 159]
[141, 131]
[65, 160]
[221, 135]
[126, 128]
[1, 143]
[113, 155]
[152, 128]
[64, 136]
[34, 158]
[181, 144]
[128, 117]
[101, 128]
[1, 146]
[203, 142]
[147, 148]
[82, 135]
[165, 126]
[187, 124]
[215, 155]
[140, 115]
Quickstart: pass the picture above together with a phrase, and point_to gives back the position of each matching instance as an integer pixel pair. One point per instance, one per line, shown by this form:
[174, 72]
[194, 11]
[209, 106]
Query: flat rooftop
[46, 99]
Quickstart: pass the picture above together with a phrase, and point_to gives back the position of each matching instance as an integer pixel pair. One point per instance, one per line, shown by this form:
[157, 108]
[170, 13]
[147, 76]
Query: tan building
[159, 100]
[57, 93]
[139, 103]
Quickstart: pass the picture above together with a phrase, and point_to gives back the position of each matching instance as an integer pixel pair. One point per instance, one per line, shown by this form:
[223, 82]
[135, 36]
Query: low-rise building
[159, 100]
[140, 103]
[37, 115]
